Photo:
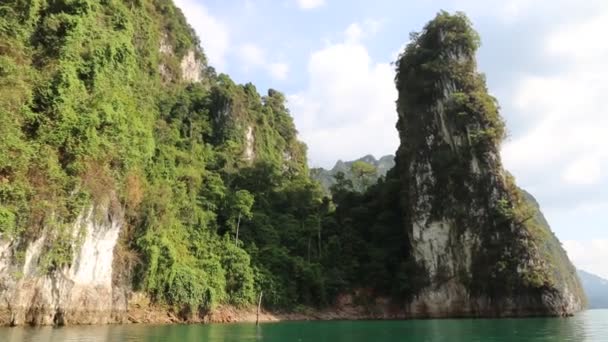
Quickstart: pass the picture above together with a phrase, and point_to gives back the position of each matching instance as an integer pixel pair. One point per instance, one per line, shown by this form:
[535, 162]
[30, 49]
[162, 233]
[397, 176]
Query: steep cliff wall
[479, 242]
[112, 105]
[86, 80]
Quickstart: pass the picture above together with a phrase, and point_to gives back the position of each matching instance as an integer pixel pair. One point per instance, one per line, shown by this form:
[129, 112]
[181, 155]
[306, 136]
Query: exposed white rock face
[81, 293]
[5, 257]
[475, 168]
[93, 264]
[440, 301]
[432, 245]
[32, 255]
[165, 47]
[164, 72]
[249, 153]
[191, 67]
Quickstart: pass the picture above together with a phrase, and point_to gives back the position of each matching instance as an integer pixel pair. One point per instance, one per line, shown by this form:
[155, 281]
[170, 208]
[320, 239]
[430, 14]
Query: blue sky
[545, 61]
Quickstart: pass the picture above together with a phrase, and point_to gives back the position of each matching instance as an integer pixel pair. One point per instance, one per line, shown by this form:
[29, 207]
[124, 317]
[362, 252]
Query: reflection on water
[587, 326]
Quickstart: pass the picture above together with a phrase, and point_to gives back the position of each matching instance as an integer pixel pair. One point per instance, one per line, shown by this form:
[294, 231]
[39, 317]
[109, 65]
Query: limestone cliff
[58, 248]
[127, 162]
[481, 246]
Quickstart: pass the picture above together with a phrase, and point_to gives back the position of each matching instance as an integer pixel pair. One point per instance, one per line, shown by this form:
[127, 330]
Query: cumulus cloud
[253, 57]
[212, 32]
[562, 150]
[567, 109]
[310, 4]
[348, 107]
[358, 31]
[589, 255]
[507, 11]
[279, 70]
[353, 32]
[583, 171]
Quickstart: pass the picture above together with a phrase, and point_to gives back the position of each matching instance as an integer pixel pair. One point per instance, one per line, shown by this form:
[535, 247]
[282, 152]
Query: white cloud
[358, 31]
[589, 255]
[590, 208]
[566, 110]
[310, 4]
[212, 32]
[583, 171]
[348, 108]
[253, 57]
[353, 32]
[278, 71]
[504, 11]
[580, 40]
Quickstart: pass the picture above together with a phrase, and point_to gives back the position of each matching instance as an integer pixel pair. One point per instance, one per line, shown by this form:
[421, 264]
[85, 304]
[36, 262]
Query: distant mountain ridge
[596, 289]
[326, 177]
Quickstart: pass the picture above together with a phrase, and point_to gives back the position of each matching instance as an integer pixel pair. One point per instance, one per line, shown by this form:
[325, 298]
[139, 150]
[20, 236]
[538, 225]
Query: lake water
[588, 326]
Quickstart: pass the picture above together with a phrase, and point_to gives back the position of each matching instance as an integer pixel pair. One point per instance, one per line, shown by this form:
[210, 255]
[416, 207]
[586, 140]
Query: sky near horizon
[546, 62]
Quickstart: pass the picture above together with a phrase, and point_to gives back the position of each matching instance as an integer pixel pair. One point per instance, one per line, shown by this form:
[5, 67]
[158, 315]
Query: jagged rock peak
[369, 159]
[480, 244]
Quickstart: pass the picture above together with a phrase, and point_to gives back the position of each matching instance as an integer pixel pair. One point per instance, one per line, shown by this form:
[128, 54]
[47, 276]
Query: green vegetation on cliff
[97, 109]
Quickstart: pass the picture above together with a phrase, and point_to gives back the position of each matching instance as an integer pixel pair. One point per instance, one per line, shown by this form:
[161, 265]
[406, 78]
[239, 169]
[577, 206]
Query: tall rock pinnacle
[478, 242]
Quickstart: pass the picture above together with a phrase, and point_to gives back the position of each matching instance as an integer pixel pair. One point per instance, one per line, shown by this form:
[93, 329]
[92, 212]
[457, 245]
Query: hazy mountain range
[326, 177]
[596, 289]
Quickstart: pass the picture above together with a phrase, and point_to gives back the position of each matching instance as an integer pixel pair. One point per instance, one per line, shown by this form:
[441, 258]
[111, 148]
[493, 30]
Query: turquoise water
[588, 326]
